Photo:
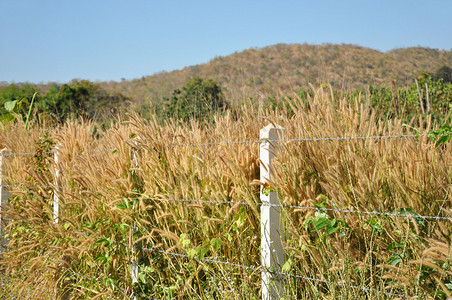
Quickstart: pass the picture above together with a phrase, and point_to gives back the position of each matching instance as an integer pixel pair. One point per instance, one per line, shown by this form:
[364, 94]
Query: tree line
[200, 99]
[79, 98]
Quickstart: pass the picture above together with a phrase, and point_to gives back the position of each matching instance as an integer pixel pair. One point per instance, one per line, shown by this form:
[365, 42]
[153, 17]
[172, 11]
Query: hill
[284, 67]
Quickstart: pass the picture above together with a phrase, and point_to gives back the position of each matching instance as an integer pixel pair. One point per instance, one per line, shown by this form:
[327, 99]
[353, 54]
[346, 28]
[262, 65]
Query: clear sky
[59, 40]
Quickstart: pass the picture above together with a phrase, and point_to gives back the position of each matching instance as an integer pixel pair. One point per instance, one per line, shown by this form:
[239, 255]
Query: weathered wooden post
[271, 227]
[56, 199]
[4, 196]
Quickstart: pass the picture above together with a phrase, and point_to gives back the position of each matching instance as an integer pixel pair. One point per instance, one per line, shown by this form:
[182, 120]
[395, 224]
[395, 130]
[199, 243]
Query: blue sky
[59, 40]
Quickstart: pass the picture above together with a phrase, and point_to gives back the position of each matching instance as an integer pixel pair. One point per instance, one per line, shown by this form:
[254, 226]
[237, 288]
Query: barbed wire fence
[272, 272]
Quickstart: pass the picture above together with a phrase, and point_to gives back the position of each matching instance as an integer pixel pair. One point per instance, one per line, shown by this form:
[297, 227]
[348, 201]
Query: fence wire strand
[375, 137]
[227, 143]
[243, 203]
[25, 153]
[52, 152]
[101, 150]
[364, 289]
[32, 186]
[199, 201]
[393, 214]
[255, 268]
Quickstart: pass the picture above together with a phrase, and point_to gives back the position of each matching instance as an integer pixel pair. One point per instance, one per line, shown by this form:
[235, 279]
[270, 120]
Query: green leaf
[442, 140]
[10, 105]
[191, 253]
[184, 240]
[241, 217]
[106, 242]
[30, 109]
[308, 221]
[266, 191]
[87, 224]
[215, 243]
[287, 266]
[416, 216]
[201, 251]
[375, 224]
[136, 234]
[110, 282]
[442, 135]
[229, 237]
[142, 278]
[122, 226]
[332, 230]
[126, 204]
[394, 260]
[342, 233]
[321, 220]
[323, 203]
[321, 214]
[102, 258]
[66, 225]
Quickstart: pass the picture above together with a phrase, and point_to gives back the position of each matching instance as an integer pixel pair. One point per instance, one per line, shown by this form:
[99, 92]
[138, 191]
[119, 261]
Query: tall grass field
[144, 192]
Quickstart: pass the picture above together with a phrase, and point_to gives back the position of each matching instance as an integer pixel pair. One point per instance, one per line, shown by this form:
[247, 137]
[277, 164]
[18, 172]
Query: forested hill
[246, 77]
[285, 67]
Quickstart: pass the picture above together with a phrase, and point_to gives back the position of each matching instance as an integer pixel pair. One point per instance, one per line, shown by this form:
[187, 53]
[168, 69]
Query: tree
[15, 100]
[199, 99]
[75, 99]
[445, 73]
[82, 99]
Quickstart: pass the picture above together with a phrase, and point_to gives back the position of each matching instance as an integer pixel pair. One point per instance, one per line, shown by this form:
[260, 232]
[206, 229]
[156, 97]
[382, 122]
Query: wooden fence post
[56, 199]
[4, 196]
[272, 255]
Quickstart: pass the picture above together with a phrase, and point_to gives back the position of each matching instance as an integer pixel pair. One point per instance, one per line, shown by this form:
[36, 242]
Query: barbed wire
[255, 268]
[32, 186]
[83, 276]
[52, 152]
[364, 289]
[101, 150]
[198, 201]
[394, 214]
[202, 259]
[97, 279]
[375, 137]
[213, 144]
[226, 143]
[243, 203]
[25, 153]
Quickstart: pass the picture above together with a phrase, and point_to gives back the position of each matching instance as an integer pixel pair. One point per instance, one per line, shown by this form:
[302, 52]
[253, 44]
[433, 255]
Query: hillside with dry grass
[283, 68]
[141, 197]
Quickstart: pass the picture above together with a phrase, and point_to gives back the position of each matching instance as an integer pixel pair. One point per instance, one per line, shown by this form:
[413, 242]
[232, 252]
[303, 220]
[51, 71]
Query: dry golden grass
[89, 253]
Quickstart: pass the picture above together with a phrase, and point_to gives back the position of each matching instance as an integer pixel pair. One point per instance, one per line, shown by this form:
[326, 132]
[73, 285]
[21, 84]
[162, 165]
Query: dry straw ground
[111, 203]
